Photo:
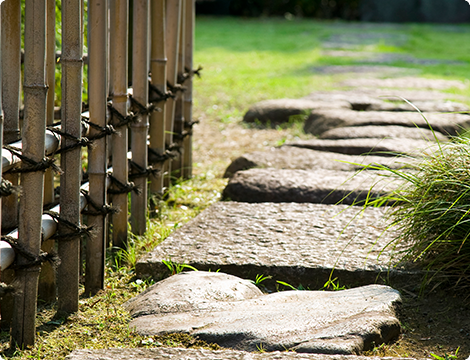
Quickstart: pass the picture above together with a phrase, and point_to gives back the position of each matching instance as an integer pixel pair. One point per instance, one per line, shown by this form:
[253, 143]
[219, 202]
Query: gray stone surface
[203, 354]
[211, 307]
[322, 120]
[296, 243]
[382, 94]
[371, 146]
[301, 186]
[365, 101]
[290, 157]
[406, 83]
[382, 132]
[279, 111]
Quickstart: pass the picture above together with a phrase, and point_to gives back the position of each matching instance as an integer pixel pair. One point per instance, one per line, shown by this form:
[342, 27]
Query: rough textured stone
[382, 132]
[365, 101]
[383, 147]
[279, 111]
[320, 187]
[296, 243]
[406, 83]
[290, 157]
[322, 120]
[341, 322]
[381, 94]
[203, 354]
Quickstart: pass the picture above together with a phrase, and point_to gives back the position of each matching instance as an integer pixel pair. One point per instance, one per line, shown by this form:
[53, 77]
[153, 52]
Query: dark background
[434, 11]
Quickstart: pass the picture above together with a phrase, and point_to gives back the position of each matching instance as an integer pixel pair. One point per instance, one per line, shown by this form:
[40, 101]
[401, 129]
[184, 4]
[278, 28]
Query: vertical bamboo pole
[47, 286]
[139, 133]
[31, 199]
[69, 250]
[178, 129]
[118, 90]
[188, 95]
[158, 62]
[97, 154]
[173, 17]
[11, 77]
[11, 58]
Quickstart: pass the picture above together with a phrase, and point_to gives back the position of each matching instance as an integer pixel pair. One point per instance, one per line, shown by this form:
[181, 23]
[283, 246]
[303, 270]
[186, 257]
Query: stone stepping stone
[203, 354]
[279, 111]
[358, 95]
[323, 120]
[301, 186]
[290, 157]
[234, 313]
[295, 243]
[372, 146]
[406, 83]
[383, 132]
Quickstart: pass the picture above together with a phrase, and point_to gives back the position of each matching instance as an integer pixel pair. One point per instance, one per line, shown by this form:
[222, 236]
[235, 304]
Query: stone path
[287, 223]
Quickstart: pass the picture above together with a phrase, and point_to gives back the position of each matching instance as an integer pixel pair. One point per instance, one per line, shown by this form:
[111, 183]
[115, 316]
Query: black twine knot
[123, 188]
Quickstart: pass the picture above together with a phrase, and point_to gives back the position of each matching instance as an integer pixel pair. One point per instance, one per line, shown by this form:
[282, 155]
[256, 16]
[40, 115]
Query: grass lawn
[244, 61]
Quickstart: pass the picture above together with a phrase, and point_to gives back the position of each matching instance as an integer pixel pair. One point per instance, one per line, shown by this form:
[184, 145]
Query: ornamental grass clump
[431, 212]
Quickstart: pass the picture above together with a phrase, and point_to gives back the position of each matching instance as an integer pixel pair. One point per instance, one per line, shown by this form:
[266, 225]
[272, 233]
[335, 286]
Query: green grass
[430, 213]
[245, 61]
[249, 60]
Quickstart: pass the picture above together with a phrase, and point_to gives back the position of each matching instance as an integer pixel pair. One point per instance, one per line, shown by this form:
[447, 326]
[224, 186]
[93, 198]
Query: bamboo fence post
[173, 18]
[11, 77]
[31, 200]
[69, 249]
[47, 285]
[11, 59]
[97, 154]
[139, 128]
[177, 164]
[158, 62]
[188, 95]
[118, 90]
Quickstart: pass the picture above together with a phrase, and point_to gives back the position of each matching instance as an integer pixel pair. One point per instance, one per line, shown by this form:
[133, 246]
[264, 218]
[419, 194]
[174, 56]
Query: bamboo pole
[188, 95]
[139, 128]
[11, 59]
[31, 199]
[158, 62]
[118, 90]
[69, 250]
[11, 77]
[177, 163]
[173, 18]
[47, 285]
[97, 154]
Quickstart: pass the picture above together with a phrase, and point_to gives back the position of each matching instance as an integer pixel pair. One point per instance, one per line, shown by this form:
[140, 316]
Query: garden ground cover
[246, 61]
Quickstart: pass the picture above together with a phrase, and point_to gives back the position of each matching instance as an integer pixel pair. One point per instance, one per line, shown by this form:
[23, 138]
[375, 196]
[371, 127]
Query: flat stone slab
[383, 132]
[234, 313]
[323, 120]
[279, 111]
[371, 146]
[203, 354]
[301, 186]
[295, 243]
[290, 157]
[406, 83]
[382, 94]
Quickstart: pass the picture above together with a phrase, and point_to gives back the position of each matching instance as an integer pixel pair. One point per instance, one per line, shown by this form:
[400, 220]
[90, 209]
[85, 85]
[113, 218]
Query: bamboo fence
[130, 133]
